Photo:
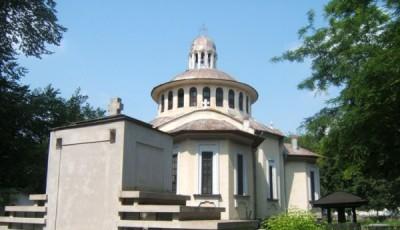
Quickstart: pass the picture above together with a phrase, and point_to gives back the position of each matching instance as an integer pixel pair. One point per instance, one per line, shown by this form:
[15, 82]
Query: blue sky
[125, 48]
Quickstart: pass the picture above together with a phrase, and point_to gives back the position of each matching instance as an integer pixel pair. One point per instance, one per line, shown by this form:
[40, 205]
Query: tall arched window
[193, 96]
[162, 103]
[180, 98]
[219, 96]
[170, 97]
[247, 104]
[231, 98]
[241, 101]
[206, 94]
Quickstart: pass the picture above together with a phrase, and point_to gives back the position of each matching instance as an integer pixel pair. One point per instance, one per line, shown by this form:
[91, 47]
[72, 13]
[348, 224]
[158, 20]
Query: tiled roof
[298, 152]
[203, 74]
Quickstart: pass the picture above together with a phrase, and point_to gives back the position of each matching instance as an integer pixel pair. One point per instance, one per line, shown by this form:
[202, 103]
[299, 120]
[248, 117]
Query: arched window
[206, 94]
[219, 96]
[241, 101]
[170, 97]
[162, 103]
[193, 96]
[247, 104]
[231, 98]
[180, 98]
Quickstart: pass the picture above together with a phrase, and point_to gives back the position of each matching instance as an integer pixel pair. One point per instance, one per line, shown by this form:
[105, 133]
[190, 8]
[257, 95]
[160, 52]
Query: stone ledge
[25, 209]
[22, 220]
[36, 197]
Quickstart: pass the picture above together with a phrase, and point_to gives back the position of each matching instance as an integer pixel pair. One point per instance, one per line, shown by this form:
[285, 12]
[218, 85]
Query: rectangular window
[174, 171]
[312, 185]
[273, 192]
[240, 175]
[206, 172]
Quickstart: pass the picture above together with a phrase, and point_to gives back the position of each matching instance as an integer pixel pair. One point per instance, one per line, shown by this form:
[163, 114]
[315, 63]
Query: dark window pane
[162, 103]
[247, 104]
[180, 98]
[240, 174]
[219, 94]
[271, 183]
[312, 182]
[241, 101]
[206, 94]
[170, 97]
[206, 172]
[231, 99]
[174, 172]
[193, 96]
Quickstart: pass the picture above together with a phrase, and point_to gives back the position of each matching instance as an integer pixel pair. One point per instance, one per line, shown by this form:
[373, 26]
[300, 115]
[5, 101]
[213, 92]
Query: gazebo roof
[339, 199]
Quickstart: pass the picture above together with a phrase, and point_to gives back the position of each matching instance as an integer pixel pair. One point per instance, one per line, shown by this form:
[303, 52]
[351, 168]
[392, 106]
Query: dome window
[180, 98]
[241, 101]
[219, 94]
[170, 97]
[247, 104]
[206, 94]
[231, 99]
[162, 103]
[193, 97]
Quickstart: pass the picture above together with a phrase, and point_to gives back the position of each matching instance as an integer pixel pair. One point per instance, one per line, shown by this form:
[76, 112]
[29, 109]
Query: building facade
[203, 163]
[222, 155]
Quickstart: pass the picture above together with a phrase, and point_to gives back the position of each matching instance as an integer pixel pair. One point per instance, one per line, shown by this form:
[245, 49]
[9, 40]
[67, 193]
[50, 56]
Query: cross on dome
[206, 103]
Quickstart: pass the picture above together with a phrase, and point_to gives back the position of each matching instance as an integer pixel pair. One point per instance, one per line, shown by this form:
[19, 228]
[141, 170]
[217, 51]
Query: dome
[203, 43]
[203, 74]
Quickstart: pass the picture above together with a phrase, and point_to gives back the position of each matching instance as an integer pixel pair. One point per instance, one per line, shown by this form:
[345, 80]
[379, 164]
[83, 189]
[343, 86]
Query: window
[193, 96]
[312, 185]
[209, 59]
[170, 97]
[247, 104]
[180, 98]
[206, 94]
[241, 101]
[113, 134]
[206, 172]
[202, 58]
[174, 172]
[231, 98]
[58, 143]
[219, 94]
[162, 103]
[273, 192]
[240, 175]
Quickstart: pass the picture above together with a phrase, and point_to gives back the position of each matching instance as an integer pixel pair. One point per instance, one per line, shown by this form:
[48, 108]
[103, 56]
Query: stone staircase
[32, 217]
[137, 210]
[150, 210]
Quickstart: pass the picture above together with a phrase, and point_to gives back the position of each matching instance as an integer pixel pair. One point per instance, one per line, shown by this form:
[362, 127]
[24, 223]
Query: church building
[204, 162]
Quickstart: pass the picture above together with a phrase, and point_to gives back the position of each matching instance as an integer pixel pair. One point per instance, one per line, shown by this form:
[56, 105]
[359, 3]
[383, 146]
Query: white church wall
[269, 151]
[241, 206]
[297, 185]
[147, 159]
[84, 177]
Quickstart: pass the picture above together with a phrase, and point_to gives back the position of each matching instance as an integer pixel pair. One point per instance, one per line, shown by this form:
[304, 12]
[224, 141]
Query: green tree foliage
[358, 132]
[295, 220]
[26, 27]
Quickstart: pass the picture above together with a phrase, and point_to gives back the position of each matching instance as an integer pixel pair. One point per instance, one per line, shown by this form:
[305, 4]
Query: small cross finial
[203, 30]
[206, 103]
[115, 107]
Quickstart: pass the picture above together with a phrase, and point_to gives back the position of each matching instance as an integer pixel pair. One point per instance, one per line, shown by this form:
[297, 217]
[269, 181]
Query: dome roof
[202, 43]
[203, 74]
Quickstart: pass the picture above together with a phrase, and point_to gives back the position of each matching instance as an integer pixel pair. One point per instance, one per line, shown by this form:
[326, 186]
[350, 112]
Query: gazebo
[340, 201]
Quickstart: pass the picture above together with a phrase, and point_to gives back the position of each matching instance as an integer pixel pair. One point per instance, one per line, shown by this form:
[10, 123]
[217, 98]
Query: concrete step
[22, 220]
[179, 212]
[25, 209]
[143, 197]
[191, 224]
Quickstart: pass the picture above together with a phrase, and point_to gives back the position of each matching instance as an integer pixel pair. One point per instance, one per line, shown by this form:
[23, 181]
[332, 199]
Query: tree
[358, 132]
[27, 27]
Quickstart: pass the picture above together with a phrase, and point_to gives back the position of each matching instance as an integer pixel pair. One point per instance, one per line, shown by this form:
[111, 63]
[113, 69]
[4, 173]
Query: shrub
[296, 220]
